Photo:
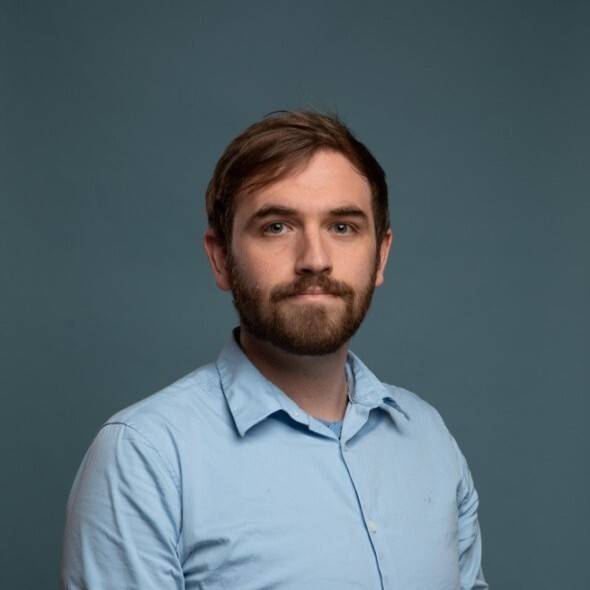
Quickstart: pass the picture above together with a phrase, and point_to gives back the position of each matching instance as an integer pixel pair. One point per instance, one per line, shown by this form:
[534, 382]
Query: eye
[276, 228]
[344, 228]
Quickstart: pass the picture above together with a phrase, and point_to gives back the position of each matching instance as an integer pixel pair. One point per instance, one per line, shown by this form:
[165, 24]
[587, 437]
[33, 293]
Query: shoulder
[417, 409]
[421, 420]
[169, 421]
[188, 396]
[426, 424]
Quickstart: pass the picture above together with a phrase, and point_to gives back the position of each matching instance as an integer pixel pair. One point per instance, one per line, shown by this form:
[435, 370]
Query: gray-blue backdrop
[112, 117]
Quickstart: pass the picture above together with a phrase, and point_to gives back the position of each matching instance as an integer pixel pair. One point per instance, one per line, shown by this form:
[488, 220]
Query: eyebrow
[280, 210]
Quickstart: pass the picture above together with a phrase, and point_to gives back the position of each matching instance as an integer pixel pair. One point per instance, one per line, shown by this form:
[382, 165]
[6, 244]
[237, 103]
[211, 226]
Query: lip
[314, 295]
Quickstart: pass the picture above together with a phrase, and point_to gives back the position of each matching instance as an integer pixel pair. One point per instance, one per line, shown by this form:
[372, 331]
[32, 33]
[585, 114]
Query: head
[297, 204]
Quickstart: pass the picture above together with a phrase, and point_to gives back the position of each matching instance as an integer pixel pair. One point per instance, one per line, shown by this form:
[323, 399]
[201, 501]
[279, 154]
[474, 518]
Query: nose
[312, 255]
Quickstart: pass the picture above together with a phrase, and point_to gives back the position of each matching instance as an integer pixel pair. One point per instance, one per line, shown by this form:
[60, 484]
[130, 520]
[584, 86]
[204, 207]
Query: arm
[469, 534]
[123, 517]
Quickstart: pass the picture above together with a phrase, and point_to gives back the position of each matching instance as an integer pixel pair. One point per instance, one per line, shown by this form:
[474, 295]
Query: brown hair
[271, 148]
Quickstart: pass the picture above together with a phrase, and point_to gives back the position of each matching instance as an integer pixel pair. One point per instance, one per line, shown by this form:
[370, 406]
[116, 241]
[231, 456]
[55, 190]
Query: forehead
[327, 181]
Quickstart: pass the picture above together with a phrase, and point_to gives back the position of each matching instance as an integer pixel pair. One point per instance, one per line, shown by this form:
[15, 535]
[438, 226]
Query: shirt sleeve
[470, 551]
[123, 517]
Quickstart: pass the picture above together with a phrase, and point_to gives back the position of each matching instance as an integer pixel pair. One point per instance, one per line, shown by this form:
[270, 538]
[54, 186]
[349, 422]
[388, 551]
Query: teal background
[113, 115]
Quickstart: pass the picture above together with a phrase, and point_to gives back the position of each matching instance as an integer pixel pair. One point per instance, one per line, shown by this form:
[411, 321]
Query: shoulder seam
[151, 446]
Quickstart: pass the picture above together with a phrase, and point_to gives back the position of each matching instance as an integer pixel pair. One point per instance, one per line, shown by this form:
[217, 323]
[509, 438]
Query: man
[286, 464]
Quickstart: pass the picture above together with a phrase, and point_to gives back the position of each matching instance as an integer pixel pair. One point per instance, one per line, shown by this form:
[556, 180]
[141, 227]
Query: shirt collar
[252, 398]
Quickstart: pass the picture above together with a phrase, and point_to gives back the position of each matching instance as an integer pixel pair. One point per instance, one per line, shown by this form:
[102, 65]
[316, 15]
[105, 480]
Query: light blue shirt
[221, 481]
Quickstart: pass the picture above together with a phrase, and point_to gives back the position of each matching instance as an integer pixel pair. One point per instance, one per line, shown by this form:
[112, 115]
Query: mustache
[306, 282]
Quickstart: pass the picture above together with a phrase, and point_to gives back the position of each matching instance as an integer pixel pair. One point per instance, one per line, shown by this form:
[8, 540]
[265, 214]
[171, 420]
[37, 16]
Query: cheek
[263, 268]
[357, 269]
[273, 257]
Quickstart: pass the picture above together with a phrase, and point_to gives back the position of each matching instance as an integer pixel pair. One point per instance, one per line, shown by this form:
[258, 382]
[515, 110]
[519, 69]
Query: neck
[317, 384]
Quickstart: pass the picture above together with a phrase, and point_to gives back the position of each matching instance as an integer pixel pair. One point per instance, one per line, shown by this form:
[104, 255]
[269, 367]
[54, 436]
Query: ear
[217, 255]
[384, 254]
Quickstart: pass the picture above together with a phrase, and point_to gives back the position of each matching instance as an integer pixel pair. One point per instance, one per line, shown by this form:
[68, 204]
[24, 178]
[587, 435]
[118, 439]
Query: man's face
[303, 263]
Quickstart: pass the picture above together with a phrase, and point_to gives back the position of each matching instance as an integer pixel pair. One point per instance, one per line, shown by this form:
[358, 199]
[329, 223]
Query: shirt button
[372, 526]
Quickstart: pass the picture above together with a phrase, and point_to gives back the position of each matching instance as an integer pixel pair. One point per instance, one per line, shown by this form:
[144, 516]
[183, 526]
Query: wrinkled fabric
[221, 481]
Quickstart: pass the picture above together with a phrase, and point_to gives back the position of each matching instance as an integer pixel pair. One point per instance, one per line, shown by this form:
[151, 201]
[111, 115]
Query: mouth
[313, 295]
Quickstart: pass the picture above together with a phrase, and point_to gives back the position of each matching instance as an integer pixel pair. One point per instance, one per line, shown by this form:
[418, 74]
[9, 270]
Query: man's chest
[287, 509]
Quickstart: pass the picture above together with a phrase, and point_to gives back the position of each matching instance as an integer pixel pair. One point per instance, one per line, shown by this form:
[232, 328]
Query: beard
[301, 328]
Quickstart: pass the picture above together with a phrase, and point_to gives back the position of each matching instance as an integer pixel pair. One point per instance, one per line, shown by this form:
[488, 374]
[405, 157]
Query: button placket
[370, 524]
